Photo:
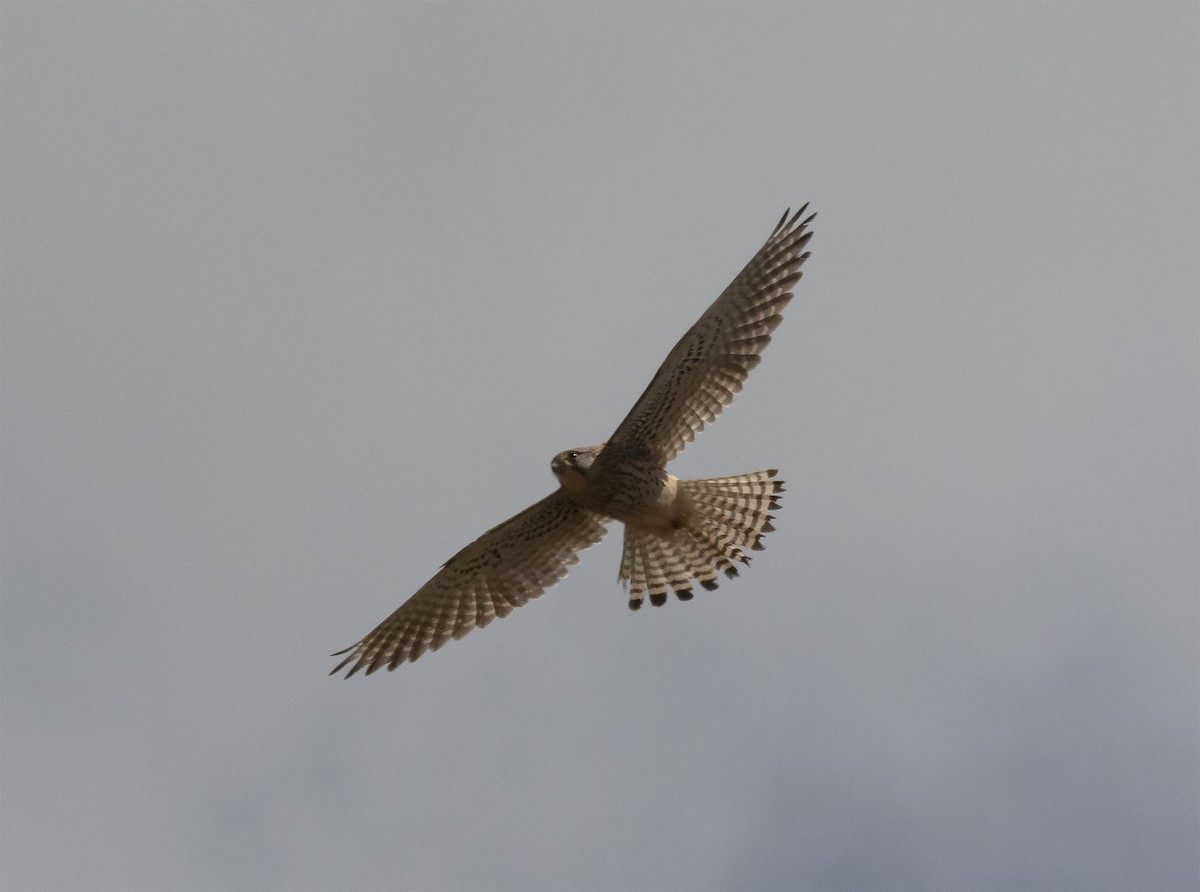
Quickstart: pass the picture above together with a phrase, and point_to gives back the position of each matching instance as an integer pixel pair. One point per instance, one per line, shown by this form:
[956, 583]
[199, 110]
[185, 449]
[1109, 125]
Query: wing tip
[343, 664]
[787, 223]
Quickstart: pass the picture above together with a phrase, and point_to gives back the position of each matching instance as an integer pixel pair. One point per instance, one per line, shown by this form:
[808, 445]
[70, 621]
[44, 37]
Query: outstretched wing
[710, 363]
[501, 570]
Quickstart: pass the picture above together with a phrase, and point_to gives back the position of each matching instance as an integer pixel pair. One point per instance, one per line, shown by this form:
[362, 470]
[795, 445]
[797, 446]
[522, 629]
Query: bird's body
[676, 531]
[633, 489]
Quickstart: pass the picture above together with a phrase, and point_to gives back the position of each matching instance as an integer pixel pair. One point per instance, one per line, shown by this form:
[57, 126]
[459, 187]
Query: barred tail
[728, 514]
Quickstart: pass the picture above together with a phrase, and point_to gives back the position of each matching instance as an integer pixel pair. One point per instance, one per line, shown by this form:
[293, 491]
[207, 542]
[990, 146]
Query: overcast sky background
[299, 299]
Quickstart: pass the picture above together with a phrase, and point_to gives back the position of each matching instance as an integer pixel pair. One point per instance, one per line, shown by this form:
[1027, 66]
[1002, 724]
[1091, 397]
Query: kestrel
[676, 531]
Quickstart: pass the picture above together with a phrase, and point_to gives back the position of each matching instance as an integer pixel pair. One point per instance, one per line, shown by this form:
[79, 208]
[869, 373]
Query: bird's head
[571, 466]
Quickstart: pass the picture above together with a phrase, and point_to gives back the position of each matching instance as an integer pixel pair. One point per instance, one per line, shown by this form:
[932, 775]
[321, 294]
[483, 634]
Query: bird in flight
[676, 531]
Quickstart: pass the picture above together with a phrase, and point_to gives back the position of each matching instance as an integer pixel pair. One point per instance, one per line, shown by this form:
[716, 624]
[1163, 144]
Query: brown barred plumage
[676, 531]
[730, 515]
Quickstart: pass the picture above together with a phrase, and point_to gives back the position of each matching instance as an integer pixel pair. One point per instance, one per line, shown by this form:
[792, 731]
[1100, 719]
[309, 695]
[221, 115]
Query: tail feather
[654, 562]
[730, 514]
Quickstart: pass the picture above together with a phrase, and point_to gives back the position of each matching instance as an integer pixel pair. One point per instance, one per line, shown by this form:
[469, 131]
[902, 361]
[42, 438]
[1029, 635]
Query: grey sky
[299, 299]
